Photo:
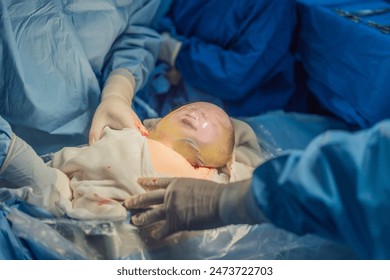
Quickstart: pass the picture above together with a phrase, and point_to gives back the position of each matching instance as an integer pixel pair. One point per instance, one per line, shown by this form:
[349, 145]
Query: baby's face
[201, 132]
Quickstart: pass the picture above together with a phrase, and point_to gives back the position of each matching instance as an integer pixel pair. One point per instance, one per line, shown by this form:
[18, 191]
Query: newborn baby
[196, 140]
[201, 132]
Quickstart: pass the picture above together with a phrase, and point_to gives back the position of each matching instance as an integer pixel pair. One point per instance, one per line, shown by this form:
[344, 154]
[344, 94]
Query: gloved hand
[24, 168]
[191, 204]
[169, 49]
[115, 108]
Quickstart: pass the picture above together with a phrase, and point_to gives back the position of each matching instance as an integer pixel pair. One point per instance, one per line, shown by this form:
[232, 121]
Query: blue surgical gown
[55, 57]
[236, 51]
[338, 187]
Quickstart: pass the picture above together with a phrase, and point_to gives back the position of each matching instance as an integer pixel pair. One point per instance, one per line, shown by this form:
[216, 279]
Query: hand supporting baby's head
[201, 132]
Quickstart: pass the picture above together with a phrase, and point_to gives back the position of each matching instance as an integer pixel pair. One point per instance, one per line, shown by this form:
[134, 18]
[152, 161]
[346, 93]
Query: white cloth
[103, 174]
[247, 151]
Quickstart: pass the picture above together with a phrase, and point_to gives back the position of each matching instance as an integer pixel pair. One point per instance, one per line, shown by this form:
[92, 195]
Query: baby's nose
[194, 114]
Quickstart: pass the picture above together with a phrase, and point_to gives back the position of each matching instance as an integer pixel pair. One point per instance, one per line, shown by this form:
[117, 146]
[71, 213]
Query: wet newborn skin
[168, 163]
[201, 132]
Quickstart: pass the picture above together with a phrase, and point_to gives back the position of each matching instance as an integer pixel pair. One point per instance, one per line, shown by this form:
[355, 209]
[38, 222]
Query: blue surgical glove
[193, 204]
[38, 183]
[169, 49]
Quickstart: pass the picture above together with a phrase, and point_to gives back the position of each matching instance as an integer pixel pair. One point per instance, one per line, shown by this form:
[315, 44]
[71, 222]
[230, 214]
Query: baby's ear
[227, 169]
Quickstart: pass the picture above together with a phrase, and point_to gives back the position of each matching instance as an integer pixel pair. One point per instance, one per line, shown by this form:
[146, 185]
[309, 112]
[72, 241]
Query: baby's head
[201, 132]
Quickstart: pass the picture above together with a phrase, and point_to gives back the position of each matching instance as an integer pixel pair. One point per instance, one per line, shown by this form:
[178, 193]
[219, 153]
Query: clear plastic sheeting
[279, 131]
[29, 232]
[70, 239]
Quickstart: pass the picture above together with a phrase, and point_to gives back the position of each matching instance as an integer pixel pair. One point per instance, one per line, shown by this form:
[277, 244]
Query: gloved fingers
[117, 114]
[105, 116]
[96, 129]
[161, 231]
[138, 124]
[173, 76]
[146, 232]
[145, 200]
[149, 217]
[23, 167]
[165, 36]
[169, 49]
[155, 183]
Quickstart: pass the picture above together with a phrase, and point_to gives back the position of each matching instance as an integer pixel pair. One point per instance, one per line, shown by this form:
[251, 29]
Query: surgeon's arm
[22, 167]
[338, 188]
[232, 72]
[136, 49]
[127, 66]
[5, 144]
[5, 139]
[128, 63]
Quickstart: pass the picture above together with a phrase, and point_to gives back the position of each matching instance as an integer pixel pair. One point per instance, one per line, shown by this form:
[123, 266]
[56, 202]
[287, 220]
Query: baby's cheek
[188, 152]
